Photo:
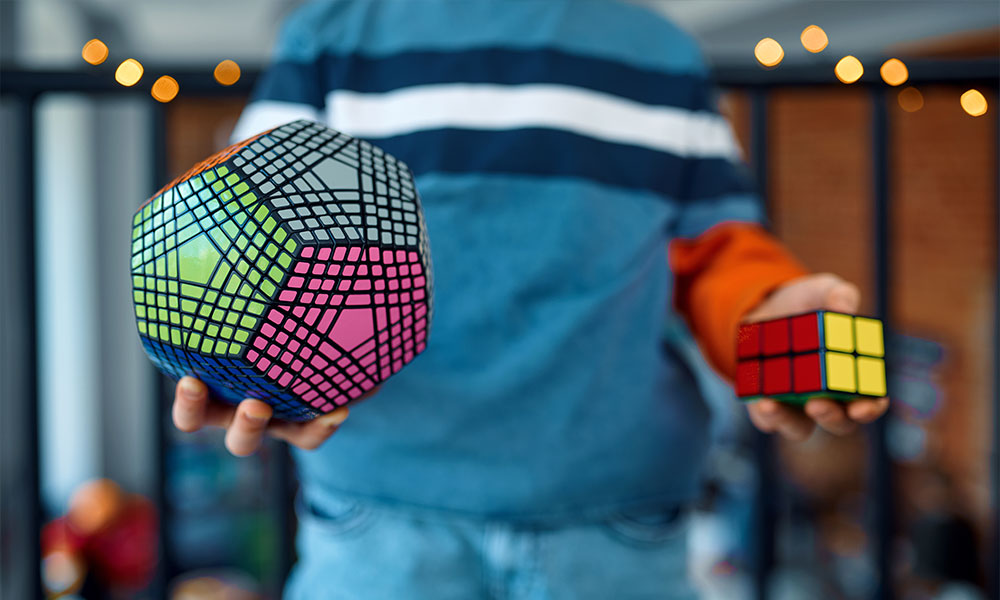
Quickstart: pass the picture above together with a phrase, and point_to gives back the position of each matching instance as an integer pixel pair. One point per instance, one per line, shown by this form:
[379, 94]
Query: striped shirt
[558, 147]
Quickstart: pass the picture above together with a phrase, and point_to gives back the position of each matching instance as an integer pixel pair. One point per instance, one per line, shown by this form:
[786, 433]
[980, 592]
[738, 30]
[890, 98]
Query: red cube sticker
[776, 334]
[805, 332]
[777, 375]
[748, 378]
[748, 340]
[807, 373]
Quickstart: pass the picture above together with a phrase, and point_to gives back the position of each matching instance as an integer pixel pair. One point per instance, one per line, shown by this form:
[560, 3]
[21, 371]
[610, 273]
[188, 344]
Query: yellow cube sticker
[871, 376]
[840, 374]
[838, 331]
[868, 335]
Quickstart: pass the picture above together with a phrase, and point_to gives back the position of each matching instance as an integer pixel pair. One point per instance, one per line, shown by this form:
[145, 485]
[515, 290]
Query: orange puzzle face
[818, 354]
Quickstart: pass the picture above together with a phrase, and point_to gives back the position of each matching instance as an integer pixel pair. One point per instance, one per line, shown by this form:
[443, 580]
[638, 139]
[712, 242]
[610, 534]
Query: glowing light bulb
[974, 103]
[849, 69]
[894, 72]
[814, 39]
[165, 88]
[910, 99]
[227, 72]
[95, 52]
[129, 72]
[768, 52]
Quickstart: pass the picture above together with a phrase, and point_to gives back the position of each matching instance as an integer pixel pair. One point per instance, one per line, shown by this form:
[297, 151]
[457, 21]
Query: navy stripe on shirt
[549, 152]
[297, 82]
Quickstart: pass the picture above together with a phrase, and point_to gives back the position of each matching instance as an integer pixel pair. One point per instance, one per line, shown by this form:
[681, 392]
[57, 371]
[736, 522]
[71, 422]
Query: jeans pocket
[335, 516]
[648, 528]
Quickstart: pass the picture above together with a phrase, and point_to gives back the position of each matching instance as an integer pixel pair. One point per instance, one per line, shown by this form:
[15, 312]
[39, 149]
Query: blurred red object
[123, 554]
[58, 535]
[112, 534]
[63, 564]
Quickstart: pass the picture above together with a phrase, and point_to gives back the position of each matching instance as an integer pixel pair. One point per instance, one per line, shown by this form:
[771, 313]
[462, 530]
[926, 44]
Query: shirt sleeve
[724, 261]
[722, 274]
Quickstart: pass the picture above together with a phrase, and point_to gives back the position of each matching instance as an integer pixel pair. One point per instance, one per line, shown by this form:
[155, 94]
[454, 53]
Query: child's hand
[247, 423]
[812, 292]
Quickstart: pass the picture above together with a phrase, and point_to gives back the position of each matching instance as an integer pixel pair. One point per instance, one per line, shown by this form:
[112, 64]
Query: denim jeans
[358, 550]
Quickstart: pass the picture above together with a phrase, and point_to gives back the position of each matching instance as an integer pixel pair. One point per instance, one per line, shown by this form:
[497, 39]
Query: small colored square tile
[838, 332]
[777, 375]
[869, 337]
[775, 336]
[805, 332]
[748, 378]
[807, 373]
[840, 373]
[871, 376]
[748, 340]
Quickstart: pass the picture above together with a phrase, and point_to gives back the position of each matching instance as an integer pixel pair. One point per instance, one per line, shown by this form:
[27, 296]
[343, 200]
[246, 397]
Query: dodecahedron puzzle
[292, 267]
[818, 354]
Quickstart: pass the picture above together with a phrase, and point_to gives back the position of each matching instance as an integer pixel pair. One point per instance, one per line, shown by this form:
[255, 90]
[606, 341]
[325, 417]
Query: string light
[894, 72]
[95, 52]
[974, 103]
[768, 52]
[814, 39]
[165, 89]
[849, 69]
[129, 72]
[227, 72]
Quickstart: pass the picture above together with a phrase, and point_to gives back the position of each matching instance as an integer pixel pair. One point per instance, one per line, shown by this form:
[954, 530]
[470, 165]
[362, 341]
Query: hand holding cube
[829, 356]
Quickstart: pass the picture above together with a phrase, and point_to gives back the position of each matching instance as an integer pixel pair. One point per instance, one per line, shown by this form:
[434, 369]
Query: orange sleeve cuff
[720, 276]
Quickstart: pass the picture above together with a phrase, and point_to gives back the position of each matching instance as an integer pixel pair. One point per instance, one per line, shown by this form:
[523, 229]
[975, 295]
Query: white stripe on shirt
[492, 107]
[267, 114]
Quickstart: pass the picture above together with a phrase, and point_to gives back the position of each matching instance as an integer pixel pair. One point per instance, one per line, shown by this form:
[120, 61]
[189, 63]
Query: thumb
[840, 295]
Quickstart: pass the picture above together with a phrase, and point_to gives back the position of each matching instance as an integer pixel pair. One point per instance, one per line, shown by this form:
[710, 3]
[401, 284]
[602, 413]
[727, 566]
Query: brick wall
[944, 175]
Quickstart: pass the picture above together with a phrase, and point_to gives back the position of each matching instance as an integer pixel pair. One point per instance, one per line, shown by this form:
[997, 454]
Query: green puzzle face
[184, 292]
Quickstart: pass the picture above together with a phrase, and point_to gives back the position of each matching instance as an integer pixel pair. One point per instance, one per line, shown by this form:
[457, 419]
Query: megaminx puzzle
[818, 354]
[292, 267]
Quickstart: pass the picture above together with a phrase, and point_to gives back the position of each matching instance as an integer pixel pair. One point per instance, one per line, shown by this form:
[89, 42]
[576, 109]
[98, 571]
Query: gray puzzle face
[325, 202]
[293, 267]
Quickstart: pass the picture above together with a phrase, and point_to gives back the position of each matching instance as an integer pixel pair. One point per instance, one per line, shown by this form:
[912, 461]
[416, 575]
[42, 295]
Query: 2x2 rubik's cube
[818, 354]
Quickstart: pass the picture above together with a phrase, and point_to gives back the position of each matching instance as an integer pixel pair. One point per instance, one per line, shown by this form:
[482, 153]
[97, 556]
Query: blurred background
[888, 177]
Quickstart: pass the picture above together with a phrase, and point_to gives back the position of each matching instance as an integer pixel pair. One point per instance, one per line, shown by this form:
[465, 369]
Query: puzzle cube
[292, 267]
[818, 354]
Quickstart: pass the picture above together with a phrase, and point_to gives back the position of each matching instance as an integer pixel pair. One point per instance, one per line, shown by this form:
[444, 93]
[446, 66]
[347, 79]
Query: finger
[190, 401]
[830, 416]
[771, 416]
[218, 414]
[841, 296]
[246, 431]
[797, 428]
[763, 415]
[312, 434]
[866, 411]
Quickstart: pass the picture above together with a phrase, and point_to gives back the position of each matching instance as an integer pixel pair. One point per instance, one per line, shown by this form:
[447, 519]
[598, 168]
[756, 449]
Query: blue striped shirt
[558, 146]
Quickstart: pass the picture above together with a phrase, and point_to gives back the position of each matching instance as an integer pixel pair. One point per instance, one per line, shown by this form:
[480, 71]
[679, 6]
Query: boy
[546, 442]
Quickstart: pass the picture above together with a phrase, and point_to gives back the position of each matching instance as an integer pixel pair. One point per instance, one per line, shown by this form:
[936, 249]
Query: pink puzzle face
[292, 267]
